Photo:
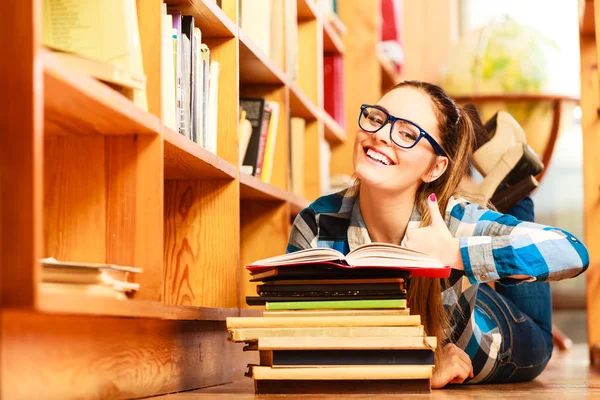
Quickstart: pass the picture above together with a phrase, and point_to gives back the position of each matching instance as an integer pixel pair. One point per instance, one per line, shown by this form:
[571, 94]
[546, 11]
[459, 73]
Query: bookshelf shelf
[306, 9]
[68, 303]
[332, 43]
[300, 104]
[185, 159]
[211, 20]
[255, 66]
[389, 77]
[252, 188]
[80, 105]
[334, 133]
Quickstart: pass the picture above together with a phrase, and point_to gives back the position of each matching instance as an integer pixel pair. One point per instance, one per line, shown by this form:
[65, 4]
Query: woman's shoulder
[340, 202]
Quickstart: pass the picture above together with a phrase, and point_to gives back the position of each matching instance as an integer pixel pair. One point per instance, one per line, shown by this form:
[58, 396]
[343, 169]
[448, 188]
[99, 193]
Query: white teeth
[378, 157]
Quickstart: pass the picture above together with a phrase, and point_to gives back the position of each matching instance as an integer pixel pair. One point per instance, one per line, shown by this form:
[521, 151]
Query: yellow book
[267, 169]
[105, 30]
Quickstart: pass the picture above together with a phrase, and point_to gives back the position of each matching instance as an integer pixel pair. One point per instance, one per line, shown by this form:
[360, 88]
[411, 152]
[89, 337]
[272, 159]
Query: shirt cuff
[478, 259]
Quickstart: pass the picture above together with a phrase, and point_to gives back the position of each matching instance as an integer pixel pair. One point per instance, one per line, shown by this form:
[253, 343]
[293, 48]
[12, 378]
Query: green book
[336, 304]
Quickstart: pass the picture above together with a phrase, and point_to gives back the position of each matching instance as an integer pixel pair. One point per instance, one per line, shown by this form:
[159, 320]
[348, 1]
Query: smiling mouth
[378, 157]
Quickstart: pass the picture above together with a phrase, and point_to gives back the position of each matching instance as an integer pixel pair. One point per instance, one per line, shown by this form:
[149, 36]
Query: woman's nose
[383, 135]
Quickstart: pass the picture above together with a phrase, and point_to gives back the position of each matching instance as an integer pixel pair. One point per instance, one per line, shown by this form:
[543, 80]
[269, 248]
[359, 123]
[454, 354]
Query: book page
[308, 255]
[390, 255]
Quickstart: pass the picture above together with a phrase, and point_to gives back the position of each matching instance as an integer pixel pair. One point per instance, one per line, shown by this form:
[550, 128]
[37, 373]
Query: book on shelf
[260, 150]
[168, 78]
[296, 154]
[84, 273]
[333, 91]
[371, 255]
[213, 106]
[347, 304]
[269, 142]
[104, 31]
[244, 133]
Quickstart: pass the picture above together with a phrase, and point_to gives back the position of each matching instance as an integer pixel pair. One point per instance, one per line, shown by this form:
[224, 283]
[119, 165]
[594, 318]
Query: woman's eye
[376, 118]
[407, 135]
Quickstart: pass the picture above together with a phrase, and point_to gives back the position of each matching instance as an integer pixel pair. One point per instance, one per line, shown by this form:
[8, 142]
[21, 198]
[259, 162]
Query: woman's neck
[386, 217]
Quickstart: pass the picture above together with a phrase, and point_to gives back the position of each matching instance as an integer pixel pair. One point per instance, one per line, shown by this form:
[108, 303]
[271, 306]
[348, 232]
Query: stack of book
[94, 279]
[336, 324]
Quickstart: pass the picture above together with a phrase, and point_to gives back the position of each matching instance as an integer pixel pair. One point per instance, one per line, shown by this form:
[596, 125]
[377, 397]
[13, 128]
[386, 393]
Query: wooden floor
[568, 376]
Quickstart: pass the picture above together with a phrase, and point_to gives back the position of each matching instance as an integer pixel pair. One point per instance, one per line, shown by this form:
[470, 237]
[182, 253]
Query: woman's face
[399, 169]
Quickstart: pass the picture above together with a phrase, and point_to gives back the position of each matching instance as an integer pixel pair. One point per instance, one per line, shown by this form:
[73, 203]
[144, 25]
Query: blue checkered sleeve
[495, 246]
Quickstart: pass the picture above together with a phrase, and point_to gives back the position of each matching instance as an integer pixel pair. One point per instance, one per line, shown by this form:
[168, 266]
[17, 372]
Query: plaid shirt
[493, 246]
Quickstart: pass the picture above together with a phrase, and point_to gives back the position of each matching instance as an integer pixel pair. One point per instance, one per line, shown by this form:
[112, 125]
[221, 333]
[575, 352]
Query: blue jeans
[523, 314]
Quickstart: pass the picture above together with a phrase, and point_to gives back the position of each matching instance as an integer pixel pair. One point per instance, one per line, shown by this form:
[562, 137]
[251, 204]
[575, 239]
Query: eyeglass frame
[389, 117]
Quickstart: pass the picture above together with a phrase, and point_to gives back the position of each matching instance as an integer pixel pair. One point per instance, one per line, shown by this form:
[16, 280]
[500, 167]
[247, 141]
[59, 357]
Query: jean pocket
[516, 314]
[505, 306]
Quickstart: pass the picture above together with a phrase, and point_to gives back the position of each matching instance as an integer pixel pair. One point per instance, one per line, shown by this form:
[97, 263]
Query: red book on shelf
[333, 77]
[372, 256]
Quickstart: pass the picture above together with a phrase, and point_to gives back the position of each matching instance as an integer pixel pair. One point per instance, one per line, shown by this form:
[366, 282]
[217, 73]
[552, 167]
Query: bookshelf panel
[81, 304]
[201, 243]
[75, 189]
[224, 51]
[252, 187]
[306, 10]
[359, 62]
[133, 209]
[332, 43]
[101, 197]
[185, 159]
[260, 220]
[334, 133]
[389, 77]
[212, 20]
[255, 66]
[58, 356]
[80, 105]
[300, 104]
[308, 60]
[312, 174]
[21, 146]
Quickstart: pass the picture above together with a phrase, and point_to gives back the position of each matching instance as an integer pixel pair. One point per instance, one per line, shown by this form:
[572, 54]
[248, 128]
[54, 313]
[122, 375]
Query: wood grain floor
[568, 376]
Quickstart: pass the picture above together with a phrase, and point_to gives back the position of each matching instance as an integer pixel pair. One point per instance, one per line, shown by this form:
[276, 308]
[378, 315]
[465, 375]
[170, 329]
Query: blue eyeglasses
[404, 133]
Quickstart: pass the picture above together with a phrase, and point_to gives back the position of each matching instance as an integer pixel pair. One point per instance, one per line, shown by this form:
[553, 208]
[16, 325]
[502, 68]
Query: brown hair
[457, 127]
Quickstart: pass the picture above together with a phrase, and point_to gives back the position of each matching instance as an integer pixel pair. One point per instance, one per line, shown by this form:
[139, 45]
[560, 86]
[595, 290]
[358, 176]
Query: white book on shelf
[169, 105]
[213, 106]
[197, 89]
[205, 67]
[255, 22]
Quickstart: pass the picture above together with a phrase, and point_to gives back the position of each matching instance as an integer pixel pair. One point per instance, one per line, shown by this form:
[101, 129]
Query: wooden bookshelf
[95, 178]
[300, 104]
[210, 18]
[334, 133]
[80, 105]
[332, 43]
[306, 9]
[255, 67]
[66, 303]
[389, 77]
[185, 159]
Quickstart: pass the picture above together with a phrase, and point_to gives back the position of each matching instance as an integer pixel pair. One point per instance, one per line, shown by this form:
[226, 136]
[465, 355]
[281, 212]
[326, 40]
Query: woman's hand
[454, 367]
[436, 239]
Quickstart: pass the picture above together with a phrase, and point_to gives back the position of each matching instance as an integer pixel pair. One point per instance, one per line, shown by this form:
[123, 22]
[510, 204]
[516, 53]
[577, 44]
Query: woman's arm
[499, 247]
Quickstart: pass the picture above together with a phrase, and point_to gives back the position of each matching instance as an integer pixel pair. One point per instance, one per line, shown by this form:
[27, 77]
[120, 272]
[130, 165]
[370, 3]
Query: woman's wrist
[455, 258]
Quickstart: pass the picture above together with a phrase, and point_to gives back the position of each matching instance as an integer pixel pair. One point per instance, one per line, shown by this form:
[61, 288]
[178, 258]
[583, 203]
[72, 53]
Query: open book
[372, 255]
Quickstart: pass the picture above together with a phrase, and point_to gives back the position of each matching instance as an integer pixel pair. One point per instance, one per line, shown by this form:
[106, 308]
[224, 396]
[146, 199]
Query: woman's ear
[438, 168]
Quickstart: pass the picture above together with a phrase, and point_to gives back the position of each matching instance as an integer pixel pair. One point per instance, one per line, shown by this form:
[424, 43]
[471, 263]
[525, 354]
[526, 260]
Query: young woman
[411, 151]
